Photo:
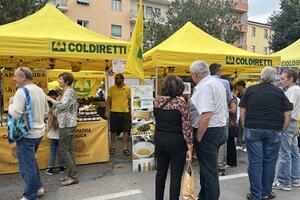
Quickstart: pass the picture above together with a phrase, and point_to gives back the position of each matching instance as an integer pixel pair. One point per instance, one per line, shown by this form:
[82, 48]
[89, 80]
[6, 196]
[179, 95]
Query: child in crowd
[54, 137]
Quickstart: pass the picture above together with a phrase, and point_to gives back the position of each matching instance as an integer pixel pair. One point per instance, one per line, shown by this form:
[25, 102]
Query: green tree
[214, 17]
[285, 24]
[12, 10]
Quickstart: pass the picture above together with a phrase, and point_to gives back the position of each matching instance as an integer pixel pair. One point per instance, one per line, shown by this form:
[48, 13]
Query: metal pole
[156, 81]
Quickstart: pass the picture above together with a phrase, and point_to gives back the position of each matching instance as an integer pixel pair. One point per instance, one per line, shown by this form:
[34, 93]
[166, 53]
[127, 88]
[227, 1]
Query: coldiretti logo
[290, 63]
[59, 46]
[63, 46]
[231, 60]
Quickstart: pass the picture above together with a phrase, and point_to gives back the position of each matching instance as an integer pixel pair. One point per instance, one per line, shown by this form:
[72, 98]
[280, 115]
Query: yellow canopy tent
[290, 56]
[191, 43]
[49, 38]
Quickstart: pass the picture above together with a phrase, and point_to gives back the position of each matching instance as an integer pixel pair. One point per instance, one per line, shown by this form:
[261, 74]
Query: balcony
[244, 28]
[62, 5]
[240, 7]
[164, 2]
[133, 16]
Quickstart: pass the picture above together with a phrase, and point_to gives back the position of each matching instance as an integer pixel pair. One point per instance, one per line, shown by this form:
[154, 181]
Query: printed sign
[118, 66]
[142, 128]
[232, 60]
[9, 87]
[78, 47]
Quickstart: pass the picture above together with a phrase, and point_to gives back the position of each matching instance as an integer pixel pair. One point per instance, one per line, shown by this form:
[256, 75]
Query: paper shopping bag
[188, 184]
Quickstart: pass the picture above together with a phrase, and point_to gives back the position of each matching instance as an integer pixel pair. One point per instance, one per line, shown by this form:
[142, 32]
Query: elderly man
[210, 101]
[289, 169]
[27, 146]
[265, 114]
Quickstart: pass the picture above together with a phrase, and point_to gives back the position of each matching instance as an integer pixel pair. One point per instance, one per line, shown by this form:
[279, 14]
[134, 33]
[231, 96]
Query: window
[266, 50]
[83, 23]
[253, 31]
[253, 48]
[83, 2]
[116, 30]
[149, 12]
[157, 12]
[266, 33]
[116, 5]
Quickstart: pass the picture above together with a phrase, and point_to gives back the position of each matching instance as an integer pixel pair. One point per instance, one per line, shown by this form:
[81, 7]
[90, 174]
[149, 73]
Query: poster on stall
[9, 87]
[142, 128]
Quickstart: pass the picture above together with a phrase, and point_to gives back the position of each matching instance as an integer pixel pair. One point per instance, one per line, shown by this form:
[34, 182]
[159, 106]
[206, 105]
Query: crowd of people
[218, 117]
[222, 117]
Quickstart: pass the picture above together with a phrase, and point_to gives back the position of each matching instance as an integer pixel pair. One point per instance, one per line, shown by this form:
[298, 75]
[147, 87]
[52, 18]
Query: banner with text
[90, 146]
[9, 87]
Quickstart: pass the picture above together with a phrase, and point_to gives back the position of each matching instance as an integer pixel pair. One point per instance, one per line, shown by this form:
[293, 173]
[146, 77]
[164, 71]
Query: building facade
[112, 18]
[240, 10]
[116, 18]
[258, 35]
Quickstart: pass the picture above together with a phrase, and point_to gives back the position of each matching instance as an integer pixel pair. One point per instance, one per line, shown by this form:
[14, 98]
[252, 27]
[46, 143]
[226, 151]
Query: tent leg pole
[156, 81]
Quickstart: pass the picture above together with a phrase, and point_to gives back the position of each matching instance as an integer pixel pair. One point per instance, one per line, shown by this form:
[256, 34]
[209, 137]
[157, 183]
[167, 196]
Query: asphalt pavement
[115, 180]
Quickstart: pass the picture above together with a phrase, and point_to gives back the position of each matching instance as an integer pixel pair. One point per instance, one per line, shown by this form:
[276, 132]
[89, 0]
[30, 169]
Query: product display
[88, 113]
[3, 119]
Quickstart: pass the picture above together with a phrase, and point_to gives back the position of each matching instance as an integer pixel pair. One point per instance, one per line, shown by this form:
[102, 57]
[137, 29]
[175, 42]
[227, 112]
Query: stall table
[90, 143]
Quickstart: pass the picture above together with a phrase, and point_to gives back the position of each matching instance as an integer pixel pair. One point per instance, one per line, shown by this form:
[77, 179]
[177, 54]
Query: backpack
[19, 128]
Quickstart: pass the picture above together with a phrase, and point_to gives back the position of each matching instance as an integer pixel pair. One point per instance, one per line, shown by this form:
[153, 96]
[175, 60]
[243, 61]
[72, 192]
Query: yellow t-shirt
[119, 98]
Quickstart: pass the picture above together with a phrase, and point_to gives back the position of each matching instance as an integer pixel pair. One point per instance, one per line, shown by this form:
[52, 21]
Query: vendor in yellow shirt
[117, 111]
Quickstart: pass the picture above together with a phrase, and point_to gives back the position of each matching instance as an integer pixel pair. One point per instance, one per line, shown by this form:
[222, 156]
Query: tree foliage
[285, 24]
[12, 10]
[214, 17]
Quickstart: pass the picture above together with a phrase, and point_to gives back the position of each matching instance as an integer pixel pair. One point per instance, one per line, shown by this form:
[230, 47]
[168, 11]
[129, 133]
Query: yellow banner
[90, 142]
[9, 87]
[86, 87]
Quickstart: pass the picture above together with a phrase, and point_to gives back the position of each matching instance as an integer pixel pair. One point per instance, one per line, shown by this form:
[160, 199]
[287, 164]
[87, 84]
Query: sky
[261, 10]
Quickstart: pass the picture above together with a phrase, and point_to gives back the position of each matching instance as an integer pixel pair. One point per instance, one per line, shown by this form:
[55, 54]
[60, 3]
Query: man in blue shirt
[215, 71]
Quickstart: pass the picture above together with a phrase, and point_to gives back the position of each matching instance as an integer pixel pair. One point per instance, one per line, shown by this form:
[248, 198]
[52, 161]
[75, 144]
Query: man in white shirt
[289, 169]
[210, 101]
[28, 145]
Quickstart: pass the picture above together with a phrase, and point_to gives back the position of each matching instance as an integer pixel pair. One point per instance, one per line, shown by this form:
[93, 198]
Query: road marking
[116, 195]
[222, 178]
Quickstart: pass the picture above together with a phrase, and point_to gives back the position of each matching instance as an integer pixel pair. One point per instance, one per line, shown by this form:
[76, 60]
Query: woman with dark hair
[173, 136]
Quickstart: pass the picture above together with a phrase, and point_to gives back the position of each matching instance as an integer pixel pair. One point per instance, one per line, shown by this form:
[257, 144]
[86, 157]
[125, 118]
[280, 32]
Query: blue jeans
[53, 151]
[207, 153]
[289, 168]
[29, 170]
[263, 149]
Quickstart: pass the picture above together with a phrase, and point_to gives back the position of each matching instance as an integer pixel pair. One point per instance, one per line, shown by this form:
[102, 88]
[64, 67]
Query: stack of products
[3, 119]
[88, 113]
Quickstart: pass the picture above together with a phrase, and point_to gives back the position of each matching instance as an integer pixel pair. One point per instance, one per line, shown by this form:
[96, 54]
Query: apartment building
[151, 8]
[112, 18]
[116, 18]
[240, 10]
[258, 35]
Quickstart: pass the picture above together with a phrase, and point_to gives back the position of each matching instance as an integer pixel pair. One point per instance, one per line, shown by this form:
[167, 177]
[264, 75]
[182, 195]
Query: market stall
[50, 40]
[91, 146]
[190, 43]
[290, 55]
